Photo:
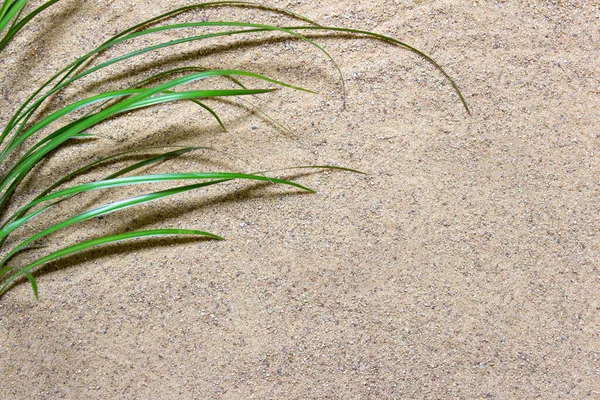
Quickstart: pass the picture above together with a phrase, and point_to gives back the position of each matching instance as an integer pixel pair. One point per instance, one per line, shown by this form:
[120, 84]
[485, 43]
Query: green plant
[32, 135]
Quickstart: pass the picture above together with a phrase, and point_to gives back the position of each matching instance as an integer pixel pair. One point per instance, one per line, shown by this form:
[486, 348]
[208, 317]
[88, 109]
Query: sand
[464, 264]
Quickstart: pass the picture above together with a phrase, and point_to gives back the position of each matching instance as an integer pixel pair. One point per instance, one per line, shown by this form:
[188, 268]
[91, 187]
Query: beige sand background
[463, 265]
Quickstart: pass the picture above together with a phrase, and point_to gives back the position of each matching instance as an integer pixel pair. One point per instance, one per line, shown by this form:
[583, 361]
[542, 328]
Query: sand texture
[464, 264]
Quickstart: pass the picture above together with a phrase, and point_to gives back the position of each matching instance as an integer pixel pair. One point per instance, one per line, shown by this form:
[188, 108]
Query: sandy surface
[464, 265]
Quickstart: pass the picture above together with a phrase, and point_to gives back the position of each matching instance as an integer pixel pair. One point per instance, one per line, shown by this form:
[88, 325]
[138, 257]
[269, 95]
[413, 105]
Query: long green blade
[6, 4]
[141, 93]
[10, 12]
[92, 243]
[232, 78]
[399, 43]
[19, 272]
[65, 111]
[137, 180]
[245, 4]
[21, 114]
[218, 176]
[139, 96]
[15, 28]
[154, 159]
[26, 163]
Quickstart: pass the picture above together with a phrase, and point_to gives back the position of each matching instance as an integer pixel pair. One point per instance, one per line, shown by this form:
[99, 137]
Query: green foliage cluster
[31, 135]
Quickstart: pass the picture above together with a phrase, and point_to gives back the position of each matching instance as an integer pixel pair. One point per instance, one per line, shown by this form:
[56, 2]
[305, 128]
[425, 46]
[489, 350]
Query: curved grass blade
[137, 180]
[16, 18]
[30, 159]
[10, 190]
[92, 243]
[141, 99]
[154, 159]
[10, 11]
[67, 71]
[66, 127]
[63, 112]
[385, 38]
[211, 111]
[232, 78]
[219, 176]
[398, 43]
[180, 150]
[22, 116]
[16, 27]
[5, 5]
[184, 9]
[289, 30]
[71, 68]
[174, 71]
[142, 83]
[103, 210]
[19, 271]
[149, 22]
[141, 93]
[26, 163]
[171, 96]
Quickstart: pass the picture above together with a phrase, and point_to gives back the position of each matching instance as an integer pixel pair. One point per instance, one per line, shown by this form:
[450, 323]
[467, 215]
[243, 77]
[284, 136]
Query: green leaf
[139, 98]
[108, 105]
[9, 11]
[92, 243]
[26, 163]
[155, 158]
[119, 205]
[16, 27]
[24, 113]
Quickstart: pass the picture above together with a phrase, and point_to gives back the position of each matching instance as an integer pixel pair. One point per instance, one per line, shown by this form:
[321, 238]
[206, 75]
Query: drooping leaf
[89, 244]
